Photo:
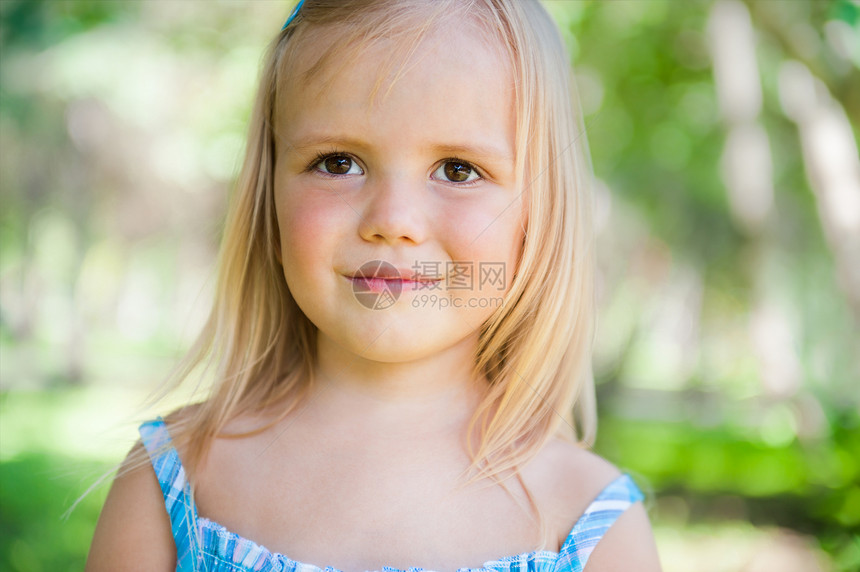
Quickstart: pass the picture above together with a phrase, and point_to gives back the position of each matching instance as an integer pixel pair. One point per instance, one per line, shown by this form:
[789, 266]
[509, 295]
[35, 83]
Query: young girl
[403, 319]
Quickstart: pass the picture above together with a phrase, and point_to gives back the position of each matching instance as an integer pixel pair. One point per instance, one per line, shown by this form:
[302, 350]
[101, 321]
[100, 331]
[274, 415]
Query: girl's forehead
[447, 71]
[323, 53]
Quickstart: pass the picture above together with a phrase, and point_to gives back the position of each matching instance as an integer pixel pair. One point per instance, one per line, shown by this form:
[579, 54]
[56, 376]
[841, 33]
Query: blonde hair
[535, 350]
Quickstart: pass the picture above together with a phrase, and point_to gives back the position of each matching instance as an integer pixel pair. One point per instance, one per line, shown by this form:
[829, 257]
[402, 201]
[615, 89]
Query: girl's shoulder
[564, 463]
[133, 528]
[565, 478]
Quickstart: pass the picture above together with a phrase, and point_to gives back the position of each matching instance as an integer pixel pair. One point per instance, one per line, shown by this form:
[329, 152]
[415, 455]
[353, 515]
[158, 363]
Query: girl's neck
[441, 386]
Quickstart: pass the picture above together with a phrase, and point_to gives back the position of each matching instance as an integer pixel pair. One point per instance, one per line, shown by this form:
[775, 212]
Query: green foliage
[35, 491]
[41, 23]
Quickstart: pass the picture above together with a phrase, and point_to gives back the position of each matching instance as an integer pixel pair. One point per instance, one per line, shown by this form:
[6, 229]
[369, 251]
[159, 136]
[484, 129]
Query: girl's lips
[380, 284]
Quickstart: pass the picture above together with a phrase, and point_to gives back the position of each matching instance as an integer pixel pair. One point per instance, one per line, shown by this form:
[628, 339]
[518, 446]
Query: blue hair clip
[293, 14]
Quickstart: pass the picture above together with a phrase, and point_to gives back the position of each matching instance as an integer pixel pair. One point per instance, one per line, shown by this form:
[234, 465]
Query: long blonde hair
[535, 350]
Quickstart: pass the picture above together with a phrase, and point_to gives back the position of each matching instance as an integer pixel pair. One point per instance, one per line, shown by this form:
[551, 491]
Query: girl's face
[415, 175]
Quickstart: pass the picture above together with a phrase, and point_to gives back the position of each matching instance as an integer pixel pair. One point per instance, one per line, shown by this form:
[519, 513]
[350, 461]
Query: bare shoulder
[564, 479]
[627, 545]
[133, 530]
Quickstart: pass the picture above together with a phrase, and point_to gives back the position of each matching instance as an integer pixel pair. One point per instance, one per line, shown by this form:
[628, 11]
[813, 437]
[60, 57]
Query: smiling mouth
[379, 276]
[380, 284]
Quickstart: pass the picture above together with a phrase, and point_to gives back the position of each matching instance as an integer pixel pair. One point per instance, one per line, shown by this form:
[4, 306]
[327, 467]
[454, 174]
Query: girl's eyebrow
[487, 152]
[477, 151]
[313, 141]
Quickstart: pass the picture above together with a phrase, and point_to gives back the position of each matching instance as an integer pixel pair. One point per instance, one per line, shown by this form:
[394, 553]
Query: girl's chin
[390, 345]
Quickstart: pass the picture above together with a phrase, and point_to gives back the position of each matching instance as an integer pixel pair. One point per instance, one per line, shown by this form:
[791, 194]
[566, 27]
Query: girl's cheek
[488, 237]
[492, 230]
[308, 221]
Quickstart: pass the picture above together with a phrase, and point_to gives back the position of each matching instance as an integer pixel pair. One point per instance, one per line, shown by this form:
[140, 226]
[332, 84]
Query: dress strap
[178, 497]
[601, 514]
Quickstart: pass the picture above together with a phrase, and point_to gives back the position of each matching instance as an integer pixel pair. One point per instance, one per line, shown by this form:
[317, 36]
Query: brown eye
[456, 172]
[339, 165]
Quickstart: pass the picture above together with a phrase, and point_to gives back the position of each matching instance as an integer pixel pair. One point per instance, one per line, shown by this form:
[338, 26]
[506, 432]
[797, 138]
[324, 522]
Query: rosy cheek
[485, 231]
[489, 235]
[308, 223]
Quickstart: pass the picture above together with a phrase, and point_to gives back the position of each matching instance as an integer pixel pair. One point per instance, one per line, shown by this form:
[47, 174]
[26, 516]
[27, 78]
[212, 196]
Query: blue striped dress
[205, 546]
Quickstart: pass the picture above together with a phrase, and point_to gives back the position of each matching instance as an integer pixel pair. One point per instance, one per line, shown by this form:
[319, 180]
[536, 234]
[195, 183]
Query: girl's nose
[395, 211]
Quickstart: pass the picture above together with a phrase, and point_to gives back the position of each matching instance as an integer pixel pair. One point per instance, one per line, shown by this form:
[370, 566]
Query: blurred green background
[724, 139]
